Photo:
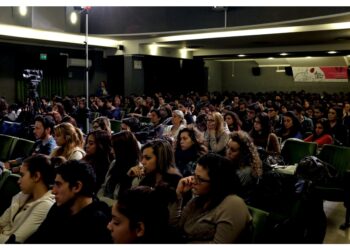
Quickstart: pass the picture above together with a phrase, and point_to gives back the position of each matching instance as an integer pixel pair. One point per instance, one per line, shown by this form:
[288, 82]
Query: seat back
[9, 188]
[260, 219]
[295, 150]
[7, 143]
[116, 125]
[337, 156]
[11, 128]
[22, 148]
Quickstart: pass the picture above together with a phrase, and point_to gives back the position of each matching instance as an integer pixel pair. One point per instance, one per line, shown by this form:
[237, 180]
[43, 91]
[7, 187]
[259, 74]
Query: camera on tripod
[33, 77]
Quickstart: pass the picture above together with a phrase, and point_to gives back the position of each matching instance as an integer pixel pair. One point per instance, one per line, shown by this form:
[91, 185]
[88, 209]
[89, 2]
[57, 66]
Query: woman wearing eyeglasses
[215, 214]
[215, 137]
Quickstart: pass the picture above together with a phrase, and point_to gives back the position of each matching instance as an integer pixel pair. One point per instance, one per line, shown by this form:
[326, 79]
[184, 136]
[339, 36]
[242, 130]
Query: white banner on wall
[320, 74]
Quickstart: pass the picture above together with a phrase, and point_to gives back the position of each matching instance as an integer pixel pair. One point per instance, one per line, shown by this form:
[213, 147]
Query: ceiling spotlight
[23, 10]
[241, 55]
[73, 17]
[270, 58]
[308, 57]
[284, 54]
[332, 52]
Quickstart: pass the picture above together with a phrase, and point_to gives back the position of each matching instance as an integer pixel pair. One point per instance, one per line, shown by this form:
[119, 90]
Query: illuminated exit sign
[43, 56]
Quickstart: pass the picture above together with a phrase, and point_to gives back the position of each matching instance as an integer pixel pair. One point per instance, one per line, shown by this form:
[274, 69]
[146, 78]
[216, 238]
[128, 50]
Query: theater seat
[294, 150]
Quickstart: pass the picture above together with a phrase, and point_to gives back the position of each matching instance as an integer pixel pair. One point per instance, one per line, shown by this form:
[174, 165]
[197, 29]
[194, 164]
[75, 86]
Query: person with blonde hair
[215, 137]
[70, 142]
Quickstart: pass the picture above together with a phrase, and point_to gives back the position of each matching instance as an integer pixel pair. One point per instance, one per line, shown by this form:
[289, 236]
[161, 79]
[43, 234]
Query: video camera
[34, 77]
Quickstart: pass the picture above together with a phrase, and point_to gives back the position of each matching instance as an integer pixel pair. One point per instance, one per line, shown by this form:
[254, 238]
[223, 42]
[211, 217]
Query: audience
[187, 151]
[262, 136]
[76, 217]
[216, 214]
[141, 216]
[45, 143]
[158, 165]
[143, 192]
[215, 137]
[127, 155]
[321, 134]
[70, 142]
[28, 208]
[99, 155]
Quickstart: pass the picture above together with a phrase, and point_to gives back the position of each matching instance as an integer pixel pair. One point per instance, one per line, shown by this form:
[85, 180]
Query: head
[36, 170]
[322, 127]
[130, 124]
[186, 139]
[290, 121]
[241, 150]
[155, 116]
[318, 112]
[334, 113]
[215, 121]
[139, 216]
[43, 127]
[98, 143]
[262, 123]
[232, 118]
[157, 156]
[215, 177]
[126, 148]
[73, 179]
[66, 135]
[178, 117]
[272, 111]
[102, 123]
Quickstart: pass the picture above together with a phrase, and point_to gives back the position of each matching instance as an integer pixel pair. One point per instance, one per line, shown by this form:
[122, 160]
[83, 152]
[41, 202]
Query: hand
[184, 185]
[136, 171]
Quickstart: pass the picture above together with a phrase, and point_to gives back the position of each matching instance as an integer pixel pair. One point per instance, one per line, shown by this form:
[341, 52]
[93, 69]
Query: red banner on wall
[320, 74]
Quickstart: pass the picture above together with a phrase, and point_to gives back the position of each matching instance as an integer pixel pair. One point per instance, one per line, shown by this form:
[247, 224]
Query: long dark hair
[147, 205]
[326, 128]
[127, 155]
[223, 179]
[296, 124]
[103, 156]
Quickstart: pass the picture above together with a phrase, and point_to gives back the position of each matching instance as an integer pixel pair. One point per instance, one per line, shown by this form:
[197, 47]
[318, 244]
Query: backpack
[313, 169]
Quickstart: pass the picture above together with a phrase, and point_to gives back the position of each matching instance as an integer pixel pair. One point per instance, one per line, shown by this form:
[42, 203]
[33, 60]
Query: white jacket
[25, 222]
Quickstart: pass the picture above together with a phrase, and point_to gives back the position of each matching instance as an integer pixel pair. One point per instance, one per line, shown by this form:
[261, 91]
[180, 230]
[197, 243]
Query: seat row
[12, 147]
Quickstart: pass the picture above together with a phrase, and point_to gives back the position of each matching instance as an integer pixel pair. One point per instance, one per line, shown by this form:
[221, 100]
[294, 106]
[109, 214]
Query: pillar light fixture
[73, 17]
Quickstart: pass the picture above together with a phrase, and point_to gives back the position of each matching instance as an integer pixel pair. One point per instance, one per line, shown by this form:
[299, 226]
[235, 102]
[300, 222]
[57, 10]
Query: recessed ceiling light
[308, 57]
[23, 10]
[332, 52]
[270, 58]
[284, 54]
[241, 55]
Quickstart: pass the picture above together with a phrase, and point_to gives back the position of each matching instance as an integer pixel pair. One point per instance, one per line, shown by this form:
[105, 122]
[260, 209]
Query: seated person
[321, 134]
[43, 128]
[216, 214]
[29, 207]
[76, 217]
[140, 216]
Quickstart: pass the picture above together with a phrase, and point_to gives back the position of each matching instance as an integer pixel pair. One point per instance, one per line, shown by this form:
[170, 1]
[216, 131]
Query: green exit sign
[43, 56]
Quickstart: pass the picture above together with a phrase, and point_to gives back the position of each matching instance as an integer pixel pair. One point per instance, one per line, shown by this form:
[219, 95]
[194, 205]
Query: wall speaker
[288, 71]
[256, 71]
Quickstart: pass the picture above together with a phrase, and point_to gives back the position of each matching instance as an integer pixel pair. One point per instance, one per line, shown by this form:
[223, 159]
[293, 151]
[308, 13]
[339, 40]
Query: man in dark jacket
[76, 217]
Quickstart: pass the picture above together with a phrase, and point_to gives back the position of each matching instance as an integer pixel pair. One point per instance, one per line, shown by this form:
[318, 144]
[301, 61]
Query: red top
[324, 139]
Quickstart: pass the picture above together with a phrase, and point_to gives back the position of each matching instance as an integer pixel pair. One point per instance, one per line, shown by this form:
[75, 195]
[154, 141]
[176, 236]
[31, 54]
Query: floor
[335, 213]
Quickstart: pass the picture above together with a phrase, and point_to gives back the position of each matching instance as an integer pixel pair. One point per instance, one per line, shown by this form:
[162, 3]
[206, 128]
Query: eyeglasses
[198, 180]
